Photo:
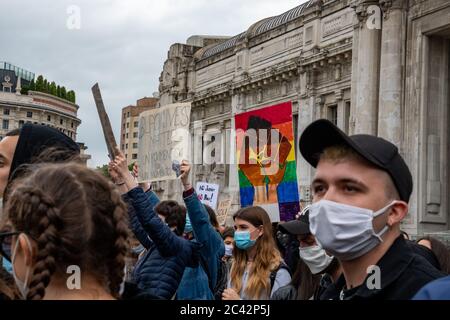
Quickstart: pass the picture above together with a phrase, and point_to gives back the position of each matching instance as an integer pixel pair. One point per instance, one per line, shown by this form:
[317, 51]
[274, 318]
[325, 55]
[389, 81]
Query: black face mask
[283, 238]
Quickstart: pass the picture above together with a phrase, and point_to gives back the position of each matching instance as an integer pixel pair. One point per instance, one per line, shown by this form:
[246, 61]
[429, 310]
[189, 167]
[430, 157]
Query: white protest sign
[208, 193]
[223, 210]
[163, 137]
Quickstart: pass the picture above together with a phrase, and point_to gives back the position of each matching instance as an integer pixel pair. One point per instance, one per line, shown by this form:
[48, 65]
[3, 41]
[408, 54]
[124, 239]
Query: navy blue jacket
[169, 257]
[158, 273]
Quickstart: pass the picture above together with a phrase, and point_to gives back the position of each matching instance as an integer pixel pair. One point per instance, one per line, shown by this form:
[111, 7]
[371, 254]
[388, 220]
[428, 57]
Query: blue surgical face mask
[188, 225]
[7, 265]
[242, 240]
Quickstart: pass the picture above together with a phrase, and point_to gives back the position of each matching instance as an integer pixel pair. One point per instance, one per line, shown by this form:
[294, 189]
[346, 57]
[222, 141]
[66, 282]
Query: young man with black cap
[25, 145]
[361, 190]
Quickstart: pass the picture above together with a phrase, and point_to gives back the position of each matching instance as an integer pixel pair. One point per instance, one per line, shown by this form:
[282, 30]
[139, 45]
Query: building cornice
[315, 60]
[53, 98]
[314, 9]
[12, 104]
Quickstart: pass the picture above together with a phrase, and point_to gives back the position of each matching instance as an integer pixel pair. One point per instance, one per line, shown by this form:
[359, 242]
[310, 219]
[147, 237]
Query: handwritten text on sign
[208, 193]
[163, 137]
[223, 210]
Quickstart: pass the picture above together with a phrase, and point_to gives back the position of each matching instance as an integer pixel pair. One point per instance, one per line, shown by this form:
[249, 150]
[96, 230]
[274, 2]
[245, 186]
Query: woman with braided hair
[60, 218]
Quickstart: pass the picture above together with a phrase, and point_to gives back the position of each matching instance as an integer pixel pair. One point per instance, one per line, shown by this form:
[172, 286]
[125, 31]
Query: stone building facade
[35, 107]
[371, 66]
[16, 109]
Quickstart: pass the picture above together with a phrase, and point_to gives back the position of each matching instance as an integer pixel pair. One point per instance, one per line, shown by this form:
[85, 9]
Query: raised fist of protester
[113, 174]
[119, 165]
[230, 294]
[185, 169]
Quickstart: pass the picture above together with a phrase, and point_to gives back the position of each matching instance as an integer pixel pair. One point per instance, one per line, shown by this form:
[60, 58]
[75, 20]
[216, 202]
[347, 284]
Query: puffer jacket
[171, 259]
[158, 273]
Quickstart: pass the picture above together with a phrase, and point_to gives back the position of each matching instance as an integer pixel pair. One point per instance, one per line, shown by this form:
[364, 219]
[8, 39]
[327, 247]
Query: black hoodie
[34, 139]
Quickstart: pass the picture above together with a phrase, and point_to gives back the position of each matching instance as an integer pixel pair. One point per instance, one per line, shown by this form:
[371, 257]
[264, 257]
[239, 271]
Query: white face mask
[228, 250]
[315, 258]
[21, 285]
[345, 231]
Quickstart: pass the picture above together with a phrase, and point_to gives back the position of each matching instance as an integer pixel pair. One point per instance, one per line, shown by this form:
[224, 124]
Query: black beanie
[34, 139]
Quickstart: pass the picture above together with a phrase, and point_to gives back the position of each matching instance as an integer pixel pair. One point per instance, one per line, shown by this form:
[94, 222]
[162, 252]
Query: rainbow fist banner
[266, 161]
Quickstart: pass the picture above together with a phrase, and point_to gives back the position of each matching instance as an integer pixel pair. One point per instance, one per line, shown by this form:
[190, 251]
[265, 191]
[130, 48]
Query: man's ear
[26, 247]
[397, 213]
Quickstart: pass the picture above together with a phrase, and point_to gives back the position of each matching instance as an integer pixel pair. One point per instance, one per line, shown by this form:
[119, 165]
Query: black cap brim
[294, 227]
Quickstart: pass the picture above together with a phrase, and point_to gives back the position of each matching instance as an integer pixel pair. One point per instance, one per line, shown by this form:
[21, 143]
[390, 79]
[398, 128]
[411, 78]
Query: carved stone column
[391, 90]
[368, 68]
[339, 95]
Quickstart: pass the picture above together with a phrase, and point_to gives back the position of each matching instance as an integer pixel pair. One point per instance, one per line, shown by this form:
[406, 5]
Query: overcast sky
[122, 45]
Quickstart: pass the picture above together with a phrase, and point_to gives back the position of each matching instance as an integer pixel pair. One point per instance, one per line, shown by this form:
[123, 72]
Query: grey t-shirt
[282, 278]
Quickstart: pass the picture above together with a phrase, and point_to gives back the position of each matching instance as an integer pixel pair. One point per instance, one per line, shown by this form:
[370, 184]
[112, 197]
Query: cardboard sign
[163, 137]
[208, 193]
[223, 210]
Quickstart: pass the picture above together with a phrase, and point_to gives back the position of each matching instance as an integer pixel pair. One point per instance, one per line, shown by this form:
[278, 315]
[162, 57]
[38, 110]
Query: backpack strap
[273, 274]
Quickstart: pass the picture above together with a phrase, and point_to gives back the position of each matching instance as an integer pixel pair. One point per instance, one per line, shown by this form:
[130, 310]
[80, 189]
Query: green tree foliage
[104, 170]
[40, 83]
[25, 89]
[32, 85]
[71, 96]
[43, 85]
[63, 93]
[53, 89]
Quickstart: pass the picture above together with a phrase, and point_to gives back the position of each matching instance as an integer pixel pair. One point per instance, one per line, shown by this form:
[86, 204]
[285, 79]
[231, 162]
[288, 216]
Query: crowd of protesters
[58, 215]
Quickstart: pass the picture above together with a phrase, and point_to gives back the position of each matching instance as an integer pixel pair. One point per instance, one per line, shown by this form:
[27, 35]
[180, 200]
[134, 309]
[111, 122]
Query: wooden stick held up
[106, 124]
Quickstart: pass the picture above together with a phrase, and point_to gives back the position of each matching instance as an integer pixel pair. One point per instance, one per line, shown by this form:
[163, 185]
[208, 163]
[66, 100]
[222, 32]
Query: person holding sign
[172, 265]
[158, 272]
[192, 286]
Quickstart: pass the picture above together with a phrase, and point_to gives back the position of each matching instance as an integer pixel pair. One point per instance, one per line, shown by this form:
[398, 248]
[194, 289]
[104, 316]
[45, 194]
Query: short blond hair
[338, 153]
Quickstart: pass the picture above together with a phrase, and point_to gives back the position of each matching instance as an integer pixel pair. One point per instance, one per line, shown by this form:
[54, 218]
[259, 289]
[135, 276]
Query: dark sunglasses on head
[5, 243]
